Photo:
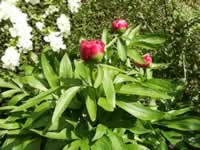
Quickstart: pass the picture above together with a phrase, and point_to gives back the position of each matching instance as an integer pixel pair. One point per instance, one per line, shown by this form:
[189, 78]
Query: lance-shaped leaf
[5, 84]
[35, 100]
[15, 99]
[65, 67]
[133, 54]
[49, 73]
[135, 146]
[104, 103]
[101, 130]
[152, 38]
[8, 126]
[64, 102]
[99, 78]
[109, 88]
[121, 49]
[91, 103]
[102, 143]
[117, 143]
[104, 36]
[64, 134]
[140, 111]
[132, 34]
[33, 82]
[82, 72]
[138, 89]
[39, 110]
[185, 124]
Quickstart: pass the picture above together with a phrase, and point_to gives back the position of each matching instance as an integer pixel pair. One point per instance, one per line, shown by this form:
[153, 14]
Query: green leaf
[173, 137]
[5, 84]
[127, 32]
[132, 34]
[133, 54]
[21, 143]
[91, 104]
[104, 36]
[159, 84]
[82, 72]
[101, 130]
[9, 126]
[135, 147]
[85, 144]
[124, 78]
[49, 73]
[185, 124]
[75, 145]
[7, 108]
[54, 144]
[102, 144]
[140, 111]
[33, 82]
[65, 67]
[64, 134]
[112, 68]
[121, 50]
[64, 102]
[99, 78]
[109, 88]
[15, 99]
[138, 89]
[39, 110]
[139, 128]
[10, 93]
[152, 38]
[35, 100]
[104, 103]
[194, 140]
[145, 45]
[117, 143]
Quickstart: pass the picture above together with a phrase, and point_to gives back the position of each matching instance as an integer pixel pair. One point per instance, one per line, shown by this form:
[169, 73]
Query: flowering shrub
[25, 29]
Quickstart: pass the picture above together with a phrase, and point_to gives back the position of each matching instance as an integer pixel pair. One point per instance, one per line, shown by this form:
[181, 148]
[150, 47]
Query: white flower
[11, 58]
[11, 1]
[39, 25]
[50, 10]
[19, 20]
[56, 41]
[34, 2]
[63, 23]
[74, 5]
[24, 44]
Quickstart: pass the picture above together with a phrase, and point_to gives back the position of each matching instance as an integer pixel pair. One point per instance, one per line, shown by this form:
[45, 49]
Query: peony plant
[105, 98]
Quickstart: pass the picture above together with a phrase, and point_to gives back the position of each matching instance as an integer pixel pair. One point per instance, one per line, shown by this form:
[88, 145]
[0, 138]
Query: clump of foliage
[67, 103]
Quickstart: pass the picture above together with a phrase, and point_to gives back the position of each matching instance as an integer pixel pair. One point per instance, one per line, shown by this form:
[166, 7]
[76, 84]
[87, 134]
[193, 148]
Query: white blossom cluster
[20, 28]
[56, 41]
[22, 32]
[11, 58]
[34, 2]
[74, 5]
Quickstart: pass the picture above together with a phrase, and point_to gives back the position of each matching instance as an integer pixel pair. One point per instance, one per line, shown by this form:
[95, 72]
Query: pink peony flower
[147, 59]
[119, 25]
[92, 50]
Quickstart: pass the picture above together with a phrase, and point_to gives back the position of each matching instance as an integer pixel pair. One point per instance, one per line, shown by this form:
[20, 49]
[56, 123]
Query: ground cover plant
[105, 90]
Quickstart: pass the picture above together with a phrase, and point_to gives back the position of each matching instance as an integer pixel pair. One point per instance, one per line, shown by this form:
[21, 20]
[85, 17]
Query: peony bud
[92, 50]
[147, 59]
[119, 25]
